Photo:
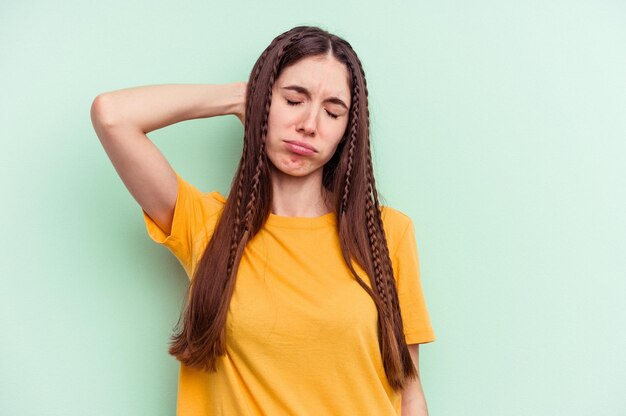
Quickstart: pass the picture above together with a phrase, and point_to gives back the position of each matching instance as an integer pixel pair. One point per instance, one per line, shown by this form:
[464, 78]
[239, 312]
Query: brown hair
[348, 175]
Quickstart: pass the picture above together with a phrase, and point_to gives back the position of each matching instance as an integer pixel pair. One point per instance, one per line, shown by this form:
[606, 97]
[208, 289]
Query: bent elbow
[100, 112]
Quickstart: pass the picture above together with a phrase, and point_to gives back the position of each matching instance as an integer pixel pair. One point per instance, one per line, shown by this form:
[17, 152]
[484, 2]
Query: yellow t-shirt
[301, 333]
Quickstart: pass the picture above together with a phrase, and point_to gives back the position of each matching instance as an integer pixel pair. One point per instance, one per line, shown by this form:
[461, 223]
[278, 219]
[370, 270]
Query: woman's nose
[308, 122]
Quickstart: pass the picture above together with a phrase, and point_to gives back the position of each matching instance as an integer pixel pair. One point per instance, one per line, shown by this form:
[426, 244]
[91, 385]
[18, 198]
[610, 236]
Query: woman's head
[329, 69]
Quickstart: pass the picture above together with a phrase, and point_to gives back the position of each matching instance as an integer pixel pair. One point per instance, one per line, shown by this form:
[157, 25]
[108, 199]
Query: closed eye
[331, 115]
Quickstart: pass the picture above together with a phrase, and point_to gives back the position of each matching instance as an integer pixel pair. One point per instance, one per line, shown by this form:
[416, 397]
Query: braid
[252, 83]
[257, 71]
[234, 239]
[398, 363]
[377, 217]
[353, 139]
[251, 205]
[374, 224]
[254, 193]
[237, 223]
[248, 214]
[376, 213]
[381, 284]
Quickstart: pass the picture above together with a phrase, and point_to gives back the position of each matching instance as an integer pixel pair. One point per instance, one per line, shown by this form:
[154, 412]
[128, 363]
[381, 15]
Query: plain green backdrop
[498, 126]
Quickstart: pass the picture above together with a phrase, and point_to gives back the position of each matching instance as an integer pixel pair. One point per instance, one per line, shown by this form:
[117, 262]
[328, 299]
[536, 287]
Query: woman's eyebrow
[302, 90]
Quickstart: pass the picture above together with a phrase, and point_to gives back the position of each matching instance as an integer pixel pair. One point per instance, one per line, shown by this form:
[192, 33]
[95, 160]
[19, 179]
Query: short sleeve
[415, 317]
[195, 216]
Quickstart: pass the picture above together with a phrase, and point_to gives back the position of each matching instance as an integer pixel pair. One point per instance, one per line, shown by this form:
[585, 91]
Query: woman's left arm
[413, 400]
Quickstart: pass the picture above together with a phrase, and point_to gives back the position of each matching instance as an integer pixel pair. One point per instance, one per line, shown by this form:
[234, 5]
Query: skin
[310, 118]
[413, 400]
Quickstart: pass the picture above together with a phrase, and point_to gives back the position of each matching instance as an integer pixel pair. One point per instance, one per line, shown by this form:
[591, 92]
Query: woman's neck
[300, 196]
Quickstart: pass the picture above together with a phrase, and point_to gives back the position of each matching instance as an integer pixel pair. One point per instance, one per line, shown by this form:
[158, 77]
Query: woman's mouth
[300, 148]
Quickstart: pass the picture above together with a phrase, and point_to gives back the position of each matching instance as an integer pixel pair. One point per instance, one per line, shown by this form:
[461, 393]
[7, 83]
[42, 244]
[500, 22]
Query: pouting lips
[300, 148]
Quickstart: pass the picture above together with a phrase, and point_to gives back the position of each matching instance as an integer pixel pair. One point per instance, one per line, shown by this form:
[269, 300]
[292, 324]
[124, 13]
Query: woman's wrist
[238, 91]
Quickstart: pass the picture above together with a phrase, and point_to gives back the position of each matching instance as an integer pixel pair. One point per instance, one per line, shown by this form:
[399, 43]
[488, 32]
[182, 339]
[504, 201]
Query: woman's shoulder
[194, 200]
[396, 223]
[216, 196]
[394, 217]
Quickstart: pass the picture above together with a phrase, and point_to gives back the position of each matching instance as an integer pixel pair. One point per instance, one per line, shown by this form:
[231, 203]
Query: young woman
[304, 295]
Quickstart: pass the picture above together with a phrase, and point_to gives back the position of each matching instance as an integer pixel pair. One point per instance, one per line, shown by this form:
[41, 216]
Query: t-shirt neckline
[325, 220]
[273, 220]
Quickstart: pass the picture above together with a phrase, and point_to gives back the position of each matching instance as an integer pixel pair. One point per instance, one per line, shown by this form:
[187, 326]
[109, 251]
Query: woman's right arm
[122, 118]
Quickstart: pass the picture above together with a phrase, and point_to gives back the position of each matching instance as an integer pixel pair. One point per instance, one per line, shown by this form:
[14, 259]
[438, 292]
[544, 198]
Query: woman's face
[310, 104]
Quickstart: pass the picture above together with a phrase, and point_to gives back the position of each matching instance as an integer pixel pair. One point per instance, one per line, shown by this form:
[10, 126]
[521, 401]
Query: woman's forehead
[318, 75]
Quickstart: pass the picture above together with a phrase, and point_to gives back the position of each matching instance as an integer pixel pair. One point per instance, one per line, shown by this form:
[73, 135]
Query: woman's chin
[287, 168]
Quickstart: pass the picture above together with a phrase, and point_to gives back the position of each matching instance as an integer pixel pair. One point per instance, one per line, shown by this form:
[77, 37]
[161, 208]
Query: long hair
[348, 175]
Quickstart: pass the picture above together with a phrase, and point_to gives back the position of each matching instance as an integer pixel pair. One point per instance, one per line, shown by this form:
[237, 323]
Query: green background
[498, 126]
